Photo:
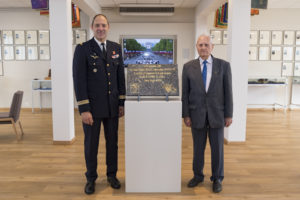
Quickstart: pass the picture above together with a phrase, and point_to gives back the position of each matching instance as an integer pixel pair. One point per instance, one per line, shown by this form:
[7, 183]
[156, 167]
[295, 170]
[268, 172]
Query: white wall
[271, 19]
[18, 74]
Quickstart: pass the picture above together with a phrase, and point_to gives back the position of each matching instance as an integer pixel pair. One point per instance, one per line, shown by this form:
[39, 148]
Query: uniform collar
[99, 43]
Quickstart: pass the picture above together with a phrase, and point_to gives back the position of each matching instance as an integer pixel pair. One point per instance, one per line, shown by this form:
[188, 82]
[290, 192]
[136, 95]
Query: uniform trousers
[91, 143]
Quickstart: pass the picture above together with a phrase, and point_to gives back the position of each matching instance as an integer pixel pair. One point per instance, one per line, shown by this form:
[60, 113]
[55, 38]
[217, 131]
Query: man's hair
[99, 15]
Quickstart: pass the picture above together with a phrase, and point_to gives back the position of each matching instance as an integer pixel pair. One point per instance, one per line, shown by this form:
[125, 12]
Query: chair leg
[21, 128]
[15, 128]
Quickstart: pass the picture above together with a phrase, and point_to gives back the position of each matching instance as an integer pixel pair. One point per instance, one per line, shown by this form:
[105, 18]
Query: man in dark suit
[99, 84]
[207, 107]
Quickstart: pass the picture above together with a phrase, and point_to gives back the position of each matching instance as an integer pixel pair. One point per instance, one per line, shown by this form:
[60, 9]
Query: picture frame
[20, 52]
[216, 37]
[19, 37]
[264, 53]
[289, 37]
[252, 53]
[225, 37]
[44, 37]
[297, 69]
[288, 53]
[253, 37]
[297, 54]
[276, 53]
[8, 53]
[44, 53]
[264, 37]
[31, 37]
[32, 53]
[297, 37]
[287, 69]
[7, 37]
[80, 36]
[277, 37]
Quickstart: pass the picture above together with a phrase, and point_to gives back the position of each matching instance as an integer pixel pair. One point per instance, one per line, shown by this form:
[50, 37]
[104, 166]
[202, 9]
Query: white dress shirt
[209, 70]
[99, 43]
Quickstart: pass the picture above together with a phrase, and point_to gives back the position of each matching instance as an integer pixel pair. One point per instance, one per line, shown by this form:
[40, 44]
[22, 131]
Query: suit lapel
[198, 73]
[215, 71]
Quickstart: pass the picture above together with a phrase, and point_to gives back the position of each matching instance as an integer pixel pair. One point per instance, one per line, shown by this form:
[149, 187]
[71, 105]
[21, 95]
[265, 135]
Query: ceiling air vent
[147, 9]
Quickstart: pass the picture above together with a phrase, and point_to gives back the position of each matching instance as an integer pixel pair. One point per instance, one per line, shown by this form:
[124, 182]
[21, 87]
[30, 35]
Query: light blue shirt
[209, 70]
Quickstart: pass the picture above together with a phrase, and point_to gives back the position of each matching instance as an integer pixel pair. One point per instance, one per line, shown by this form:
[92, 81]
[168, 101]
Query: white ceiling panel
[177, 3]
[15, 3]
[190, 3]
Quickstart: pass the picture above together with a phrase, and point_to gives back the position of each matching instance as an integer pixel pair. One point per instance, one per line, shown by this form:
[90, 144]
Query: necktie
[103, 49]
[204, 73]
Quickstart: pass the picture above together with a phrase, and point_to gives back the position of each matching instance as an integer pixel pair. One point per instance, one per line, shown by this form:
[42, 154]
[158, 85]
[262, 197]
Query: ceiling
[177, 3]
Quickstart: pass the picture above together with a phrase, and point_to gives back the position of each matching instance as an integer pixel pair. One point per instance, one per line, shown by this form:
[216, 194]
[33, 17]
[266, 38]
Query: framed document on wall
[264, 53]
[44, 37]
[32, 53]
[31, 37]
[216, 37]
[19, 37]
[264, 37]
[297, 69]
[80, 36]
[276, 53]
[225, 37]
[7, 37]
[44, 53]
[289, 37]
[20, 53]
[253, 37]
[277, 37]
[287, 69]
[288, 53]
[297, 37]
[297, 54]
[8, 53]
[252, 53]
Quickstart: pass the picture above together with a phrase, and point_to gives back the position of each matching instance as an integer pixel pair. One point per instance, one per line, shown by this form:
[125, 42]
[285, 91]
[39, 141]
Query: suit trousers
[216, 140]
[91, 143]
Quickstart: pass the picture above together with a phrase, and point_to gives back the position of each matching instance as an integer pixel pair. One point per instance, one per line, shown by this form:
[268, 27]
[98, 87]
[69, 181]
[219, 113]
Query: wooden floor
[267, 166]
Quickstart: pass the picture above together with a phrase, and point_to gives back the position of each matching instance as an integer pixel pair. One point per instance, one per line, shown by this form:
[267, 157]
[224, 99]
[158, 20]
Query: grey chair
[12, 117]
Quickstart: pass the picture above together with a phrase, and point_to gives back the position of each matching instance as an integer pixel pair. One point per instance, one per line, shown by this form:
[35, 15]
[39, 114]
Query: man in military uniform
[99, 83]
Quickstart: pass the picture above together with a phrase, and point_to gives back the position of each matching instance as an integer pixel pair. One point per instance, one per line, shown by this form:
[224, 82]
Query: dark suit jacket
[216, 103]
[99, 81]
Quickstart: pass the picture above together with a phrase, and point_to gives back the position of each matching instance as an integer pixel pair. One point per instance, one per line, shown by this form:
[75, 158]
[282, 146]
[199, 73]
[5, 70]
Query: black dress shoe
[114, 182]
[89, 187]
[194, 182]
[217, 186]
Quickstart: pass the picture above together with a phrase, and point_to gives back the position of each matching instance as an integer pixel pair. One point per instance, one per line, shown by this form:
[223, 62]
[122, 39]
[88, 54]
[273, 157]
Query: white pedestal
[153, 146]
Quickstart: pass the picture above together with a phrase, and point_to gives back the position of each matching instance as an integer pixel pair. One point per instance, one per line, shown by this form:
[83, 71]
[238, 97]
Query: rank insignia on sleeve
[114, 52]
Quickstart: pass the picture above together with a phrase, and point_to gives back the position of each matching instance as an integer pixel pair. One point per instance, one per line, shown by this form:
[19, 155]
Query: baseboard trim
[233, 142]
[64, 142]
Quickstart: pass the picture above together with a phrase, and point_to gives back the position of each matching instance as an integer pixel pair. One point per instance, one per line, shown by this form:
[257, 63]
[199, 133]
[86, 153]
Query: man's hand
[228, 121]
[188, 121]
[87, 118]
[121, 111]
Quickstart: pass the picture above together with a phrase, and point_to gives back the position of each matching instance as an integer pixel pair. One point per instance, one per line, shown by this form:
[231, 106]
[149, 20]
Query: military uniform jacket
[99, 80]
